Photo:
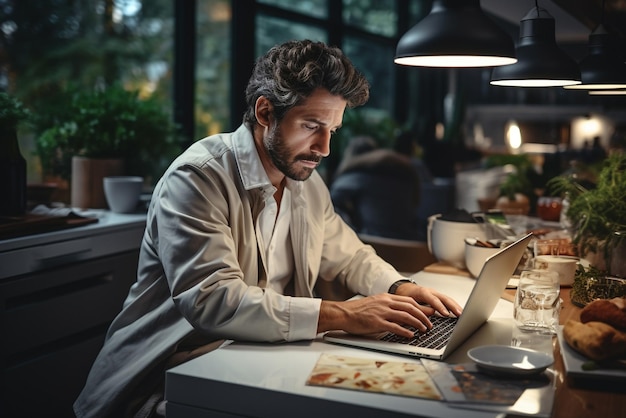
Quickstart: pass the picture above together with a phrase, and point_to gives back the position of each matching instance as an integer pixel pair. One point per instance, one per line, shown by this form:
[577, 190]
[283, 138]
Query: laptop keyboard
[435, 338]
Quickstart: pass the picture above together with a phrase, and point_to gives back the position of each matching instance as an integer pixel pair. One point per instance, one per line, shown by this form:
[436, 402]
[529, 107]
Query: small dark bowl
[607, 287]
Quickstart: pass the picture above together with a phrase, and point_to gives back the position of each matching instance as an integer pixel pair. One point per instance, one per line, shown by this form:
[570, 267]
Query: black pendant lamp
[456, 33]
[603, 68]
[615, 92]
[540, 62]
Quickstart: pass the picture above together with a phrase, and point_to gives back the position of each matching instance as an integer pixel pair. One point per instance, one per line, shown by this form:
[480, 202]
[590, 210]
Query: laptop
[490, 284]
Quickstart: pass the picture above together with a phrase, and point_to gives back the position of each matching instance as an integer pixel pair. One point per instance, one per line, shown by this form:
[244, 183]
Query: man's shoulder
[207, 149]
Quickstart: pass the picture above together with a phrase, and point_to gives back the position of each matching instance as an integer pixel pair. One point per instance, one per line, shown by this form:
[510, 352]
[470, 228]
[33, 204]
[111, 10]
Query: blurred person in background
[377, 190]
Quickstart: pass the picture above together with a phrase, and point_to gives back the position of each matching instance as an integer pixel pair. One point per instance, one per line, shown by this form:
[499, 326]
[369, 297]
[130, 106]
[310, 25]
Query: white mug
[122, 192]
[565, 266]
[446, 239]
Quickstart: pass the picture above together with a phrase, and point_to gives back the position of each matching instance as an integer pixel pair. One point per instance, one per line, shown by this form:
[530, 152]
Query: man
[239, 229]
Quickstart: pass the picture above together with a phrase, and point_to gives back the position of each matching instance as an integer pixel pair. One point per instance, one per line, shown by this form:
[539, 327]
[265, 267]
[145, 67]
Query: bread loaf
[596, 340]
[609, 311]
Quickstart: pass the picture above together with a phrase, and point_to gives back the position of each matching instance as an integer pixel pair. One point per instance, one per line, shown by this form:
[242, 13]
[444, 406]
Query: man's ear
[263, 110]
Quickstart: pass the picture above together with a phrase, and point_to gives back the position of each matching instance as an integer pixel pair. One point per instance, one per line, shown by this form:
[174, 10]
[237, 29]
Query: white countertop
[107, 221]
[269, 380]
[113, 233]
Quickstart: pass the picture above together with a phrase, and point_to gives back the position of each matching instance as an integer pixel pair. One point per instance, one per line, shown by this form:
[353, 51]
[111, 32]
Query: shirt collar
[251, 169]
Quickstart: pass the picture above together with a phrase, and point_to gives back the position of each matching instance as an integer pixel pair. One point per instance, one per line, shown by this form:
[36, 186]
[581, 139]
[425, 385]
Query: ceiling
[574, 19]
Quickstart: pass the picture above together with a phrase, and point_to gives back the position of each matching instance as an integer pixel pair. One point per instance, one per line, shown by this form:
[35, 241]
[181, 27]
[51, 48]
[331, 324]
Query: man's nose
[322, 143]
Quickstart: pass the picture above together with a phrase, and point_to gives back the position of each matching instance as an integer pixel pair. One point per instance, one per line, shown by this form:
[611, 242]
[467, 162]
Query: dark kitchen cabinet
[58, 294]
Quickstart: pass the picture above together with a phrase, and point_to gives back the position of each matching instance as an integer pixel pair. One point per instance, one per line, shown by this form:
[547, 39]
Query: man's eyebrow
[314, 120]
[319, 122]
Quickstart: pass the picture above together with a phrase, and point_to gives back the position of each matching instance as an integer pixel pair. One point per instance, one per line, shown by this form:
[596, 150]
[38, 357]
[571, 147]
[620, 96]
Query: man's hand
[386, 312]
[436, 301]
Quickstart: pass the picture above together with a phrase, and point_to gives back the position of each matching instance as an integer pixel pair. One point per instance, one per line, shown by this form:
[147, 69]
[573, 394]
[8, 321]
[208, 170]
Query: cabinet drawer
[43, 257]
[56, 307]
[53, 325]
[48, 385]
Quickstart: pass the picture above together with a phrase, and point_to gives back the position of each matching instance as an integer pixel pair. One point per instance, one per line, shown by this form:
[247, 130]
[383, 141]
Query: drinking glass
[537, 304]
[549, 208]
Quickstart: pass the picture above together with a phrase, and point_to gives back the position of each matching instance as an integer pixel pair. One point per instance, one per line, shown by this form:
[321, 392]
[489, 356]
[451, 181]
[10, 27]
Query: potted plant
[12, 112]
[598, 214]
[516, 190]
[114, 128]
[12, 163]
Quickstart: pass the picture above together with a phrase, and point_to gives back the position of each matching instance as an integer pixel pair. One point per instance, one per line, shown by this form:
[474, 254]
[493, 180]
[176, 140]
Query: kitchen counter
[111, 234]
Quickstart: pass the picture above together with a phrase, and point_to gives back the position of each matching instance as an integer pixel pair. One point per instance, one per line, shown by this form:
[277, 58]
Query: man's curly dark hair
[290, 72]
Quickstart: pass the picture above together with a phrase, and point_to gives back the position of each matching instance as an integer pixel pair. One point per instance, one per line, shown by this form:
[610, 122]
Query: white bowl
[446, 239]
[475, 256]
[510, 360]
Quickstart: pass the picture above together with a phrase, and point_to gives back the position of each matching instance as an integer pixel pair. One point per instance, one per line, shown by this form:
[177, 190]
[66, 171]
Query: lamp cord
[537, 7]
[602, 13]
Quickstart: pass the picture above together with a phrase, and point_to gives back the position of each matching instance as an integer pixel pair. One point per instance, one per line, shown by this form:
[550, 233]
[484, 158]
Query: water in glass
[537, 304]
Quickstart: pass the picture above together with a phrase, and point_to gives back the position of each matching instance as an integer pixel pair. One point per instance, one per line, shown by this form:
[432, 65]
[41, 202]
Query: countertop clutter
[275, 376]
[59, 291]
[36, 223]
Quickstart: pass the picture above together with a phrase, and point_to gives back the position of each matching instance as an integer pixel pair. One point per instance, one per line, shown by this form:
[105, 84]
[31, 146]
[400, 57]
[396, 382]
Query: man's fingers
[443, 304]
[392, 313]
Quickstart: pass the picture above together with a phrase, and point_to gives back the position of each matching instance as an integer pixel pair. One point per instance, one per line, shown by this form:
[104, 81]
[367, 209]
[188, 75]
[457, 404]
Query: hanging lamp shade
[603, 68]
[540, 62]
[615, 92]
[456, 33]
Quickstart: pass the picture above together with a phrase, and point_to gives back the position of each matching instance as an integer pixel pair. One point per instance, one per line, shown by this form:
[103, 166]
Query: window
[137, 42]
[364, 29]
[271, 31]
[212, 68]
[373, 16]
[90, 44]
[375, 61]
[316, 8]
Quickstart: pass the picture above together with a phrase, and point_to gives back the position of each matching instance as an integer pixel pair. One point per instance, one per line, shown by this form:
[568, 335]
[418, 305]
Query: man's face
[297, 144]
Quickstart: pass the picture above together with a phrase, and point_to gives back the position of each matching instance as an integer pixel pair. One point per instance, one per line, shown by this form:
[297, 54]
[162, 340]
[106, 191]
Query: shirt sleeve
[210, 259]
[303, 318]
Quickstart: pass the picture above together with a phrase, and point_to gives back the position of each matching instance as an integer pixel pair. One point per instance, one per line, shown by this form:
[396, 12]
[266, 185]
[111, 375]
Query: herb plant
[109, 123]
[598, 214]
[12, 112]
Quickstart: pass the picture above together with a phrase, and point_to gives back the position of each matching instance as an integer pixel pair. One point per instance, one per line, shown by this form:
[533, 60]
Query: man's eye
[310, 127]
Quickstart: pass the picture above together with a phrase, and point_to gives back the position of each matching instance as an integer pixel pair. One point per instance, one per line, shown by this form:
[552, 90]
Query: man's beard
[280, 155]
